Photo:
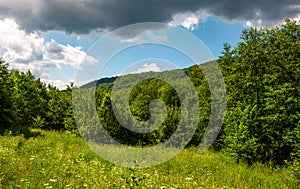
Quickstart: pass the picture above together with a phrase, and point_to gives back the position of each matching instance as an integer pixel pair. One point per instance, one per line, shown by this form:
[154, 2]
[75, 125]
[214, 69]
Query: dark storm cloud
[83, 16]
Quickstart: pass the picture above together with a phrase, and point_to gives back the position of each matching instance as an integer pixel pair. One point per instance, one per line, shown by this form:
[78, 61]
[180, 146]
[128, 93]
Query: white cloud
[30, 52]
[18, 47]
[58, 83]
[151, 67]
[69, 55]
[189, 20]
[148, 35]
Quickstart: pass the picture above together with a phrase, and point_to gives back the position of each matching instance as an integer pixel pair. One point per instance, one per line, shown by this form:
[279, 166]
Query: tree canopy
[262, 122]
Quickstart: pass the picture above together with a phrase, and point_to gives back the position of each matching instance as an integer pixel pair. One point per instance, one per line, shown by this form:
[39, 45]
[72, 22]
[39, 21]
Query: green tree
[30, 98]
[8, 116]
[58, 106]
[263, 72]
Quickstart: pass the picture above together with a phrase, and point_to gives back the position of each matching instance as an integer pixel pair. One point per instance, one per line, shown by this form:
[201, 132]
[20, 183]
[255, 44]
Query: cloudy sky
[52, 37]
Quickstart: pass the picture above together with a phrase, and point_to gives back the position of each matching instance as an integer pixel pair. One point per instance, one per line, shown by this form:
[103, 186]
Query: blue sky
[212, 32]
[57, 39]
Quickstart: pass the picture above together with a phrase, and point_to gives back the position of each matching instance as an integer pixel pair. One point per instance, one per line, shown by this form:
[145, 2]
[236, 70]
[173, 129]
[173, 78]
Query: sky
[57, 39]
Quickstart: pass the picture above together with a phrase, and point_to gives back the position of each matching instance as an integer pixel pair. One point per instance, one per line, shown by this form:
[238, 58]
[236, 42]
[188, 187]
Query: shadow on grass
[20, 131]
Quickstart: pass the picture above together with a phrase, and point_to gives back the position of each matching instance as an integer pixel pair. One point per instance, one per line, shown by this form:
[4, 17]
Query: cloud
[24, 51]
[151, 67]
[60, 54]
[143, 36]
[17, 45]
[30, 52]
[189, 20]
[84, 16]
[58, 83]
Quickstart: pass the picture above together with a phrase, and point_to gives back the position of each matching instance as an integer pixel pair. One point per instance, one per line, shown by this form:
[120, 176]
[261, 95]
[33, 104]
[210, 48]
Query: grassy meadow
[61, 160]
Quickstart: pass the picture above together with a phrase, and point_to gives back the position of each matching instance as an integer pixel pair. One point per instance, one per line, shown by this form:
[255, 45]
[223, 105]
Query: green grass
[60, 160]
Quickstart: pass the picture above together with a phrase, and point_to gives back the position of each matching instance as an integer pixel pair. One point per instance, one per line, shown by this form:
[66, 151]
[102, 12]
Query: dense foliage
[8, 116]
[262, 121]
[262, 75]
[26, 103]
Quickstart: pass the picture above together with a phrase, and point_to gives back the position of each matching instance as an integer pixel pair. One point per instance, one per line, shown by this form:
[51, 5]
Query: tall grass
[60, 160]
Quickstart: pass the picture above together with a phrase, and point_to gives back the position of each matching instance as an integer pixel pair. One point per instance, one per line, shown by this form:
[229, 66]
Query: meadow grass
[61, 160]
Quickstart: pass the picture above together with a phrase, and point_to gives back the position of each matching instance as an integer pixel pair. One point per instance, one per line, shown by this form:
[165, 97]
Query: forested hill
[99, 82]
[262, 121]
[111, 80]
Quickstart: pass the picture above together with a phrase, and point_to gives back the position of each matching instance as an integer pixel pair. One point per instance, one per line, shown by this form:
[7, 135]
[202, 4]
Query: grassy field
[60, 160]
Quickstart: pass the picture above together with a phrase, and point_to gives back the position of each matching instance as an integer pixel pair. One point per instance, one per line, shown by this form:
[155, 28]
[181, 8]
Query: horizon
[52, 46]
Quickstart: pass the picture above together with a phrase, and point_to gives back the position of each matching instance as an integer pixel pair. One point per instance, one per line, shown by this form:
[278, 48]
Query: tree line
[26, 103]
[262, 121]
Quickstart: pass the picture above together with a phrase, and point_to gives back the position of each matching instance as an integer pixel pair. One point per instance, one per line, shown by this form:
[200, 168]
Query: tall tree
[7, 114]
[262, 75]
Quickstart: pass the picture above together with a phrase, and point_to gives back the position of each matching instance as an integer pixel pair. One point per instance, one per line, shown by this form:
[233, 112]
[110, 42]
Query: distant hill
[99, 82]
[110, 80]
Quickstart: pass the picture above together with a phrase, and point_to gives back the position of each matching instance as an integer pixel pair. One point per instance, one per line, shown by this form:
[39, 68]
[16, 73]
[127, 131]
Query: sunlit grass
[60, 160]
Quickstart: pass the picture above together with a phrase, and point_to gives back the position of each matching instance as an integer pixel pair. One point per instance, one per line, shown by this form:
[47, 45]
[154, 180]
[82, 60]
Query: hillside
[261, 124]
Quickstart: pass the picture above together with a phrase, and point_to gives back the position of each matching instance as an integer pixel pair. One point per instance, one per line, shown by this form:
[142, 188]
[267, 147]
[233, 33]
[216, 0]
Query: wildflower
[188, 178]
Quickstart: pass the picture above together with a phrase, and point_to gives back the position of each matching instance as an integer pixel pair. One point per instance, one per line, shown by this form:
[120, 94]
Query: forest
[261, 124]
